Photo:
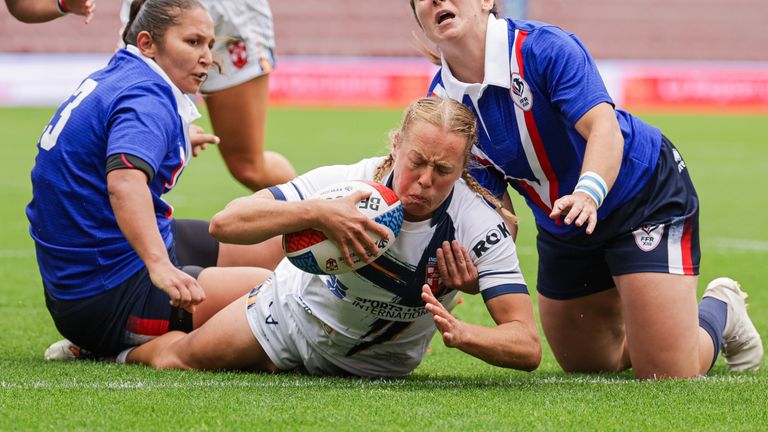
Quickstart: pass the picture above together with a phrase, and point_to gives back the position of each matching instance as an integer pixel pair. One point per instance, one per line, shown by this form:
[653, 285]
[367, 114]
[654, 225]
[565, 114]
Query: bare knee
[267, 170]
[168, 357]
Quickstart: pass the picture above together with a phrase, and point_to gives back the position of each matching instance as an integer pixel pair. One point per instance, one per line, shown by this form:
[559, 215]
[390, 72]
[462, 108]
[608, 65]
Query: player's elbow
[31, 12]
[17, 11]
[219, 227]
[529, 357]
[532, 360]
[534, 354]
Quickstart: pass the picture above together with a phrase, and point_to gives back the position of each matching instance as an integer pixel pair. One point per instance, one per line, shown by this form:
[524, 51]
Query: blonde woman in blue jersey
[380, 319]
[110, 253]
[616, 211]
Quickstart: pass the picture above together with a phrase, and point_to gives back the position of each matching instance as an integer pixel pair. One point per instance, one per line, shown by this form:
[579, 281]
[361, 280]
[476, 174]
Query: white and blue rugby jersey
[129, 107]
[539, 81]
[383, 300]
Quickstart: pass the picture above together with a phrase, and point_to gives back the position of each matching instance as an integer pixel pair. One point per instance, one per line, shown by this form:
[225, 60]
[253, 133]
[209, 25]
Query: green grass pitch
[727, 157]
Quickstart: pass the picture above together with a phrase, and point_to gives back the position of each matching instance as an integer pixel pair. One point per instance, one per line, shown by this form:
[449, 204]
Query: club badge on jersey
[520, 92]
[431, 275]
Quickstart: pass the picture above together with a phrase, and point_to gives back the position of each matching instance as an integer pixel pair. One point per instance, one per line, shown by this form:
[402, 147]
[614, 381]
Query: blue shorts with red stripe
[657, 231]
[134, 311]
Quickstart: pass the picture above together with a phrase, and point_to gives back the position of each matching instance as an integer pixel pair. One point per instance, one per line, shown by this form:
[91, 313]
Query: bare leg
[663, 333]
[586, 334]
[224, 342]
[266, 254]
[223, 286]
[238, 116]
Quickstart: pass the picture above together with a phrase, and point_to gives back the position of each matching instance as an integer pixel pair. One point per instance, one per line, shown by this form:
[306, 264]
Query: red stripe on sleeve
[125, 161]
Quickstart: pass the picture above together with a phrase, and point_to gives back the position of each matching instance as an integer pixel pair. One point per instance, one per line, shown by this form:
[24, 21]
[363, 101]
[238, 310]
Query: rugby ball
[312, 252]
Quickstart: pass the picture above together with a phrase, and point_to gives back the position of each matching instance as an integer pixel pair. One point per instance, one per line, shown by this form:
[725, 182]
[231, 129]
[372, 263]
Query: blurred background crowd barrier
[688, 55]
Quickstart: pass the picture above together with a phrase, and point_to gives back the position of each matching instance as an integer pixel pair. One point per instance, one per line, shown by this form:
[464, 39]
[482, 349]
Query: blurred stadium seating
[639, 29]
[681, 54]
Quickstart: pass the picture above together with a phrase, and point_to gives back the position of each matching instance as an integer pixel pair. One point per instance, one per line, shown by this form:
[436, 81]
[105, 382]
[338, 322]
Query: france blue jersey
[125, 108]
[539, 81]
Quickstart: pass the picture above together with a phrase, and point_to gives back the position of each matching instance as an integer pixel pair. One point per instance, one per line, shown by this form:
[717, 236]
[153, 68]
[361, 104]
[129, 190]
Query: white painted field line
[317, 382]
[740, 245]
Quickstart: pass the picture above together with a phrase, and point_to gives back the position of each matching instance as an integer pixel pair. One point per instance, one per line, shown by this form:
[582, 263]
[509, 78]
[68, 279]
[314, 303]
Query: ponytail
[155, 17]
[128, 36]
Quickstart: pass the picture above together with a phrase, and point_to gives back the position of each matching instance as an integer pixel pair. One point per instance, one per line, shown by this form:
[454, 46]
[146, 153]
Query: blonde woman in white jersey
[379, 320]
[236, 95]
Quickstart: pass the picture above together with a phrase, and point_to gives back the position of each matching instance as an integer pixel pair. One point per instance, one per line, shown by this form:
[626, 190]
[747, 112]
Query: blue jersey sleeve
[489, 179]
[565, 70]
[142, 123]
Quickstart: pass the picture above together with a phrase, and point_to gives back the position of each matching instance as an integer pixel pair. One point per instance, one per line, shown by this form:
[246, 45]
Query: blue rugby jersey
[539, 81]
[129, 107]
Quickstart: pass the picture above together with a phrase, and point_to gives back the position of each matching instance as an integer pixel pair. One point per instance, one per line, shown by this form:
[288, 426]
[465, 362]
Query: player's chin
[417, 211]
[192, 85]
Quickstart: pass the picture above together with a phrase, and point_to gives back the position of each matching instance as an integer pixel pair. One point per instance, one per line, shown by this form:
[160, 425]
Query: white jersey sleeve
[483, 233]
[306, 185]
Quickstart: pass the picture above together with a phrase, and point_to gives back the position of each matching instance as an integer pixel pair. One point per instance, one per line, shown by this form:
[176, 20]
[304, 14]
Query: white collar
[185, 107]
[497, 71]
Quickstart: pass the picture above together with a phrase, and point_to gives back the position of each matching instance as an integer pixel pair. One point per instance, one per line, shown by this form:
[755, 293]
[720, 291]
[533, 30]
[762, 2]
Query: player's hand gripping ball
[312, 252]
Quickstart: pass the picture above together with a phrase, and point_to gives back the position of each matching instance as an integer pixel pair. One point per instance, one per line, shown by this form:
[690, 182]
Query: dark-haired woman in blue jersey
[110, 254]
[616, 211]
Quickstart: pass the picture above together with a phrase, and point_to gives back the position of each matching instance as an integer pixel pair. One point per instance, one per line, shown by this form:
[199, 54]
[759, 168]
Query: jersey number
[51, 134]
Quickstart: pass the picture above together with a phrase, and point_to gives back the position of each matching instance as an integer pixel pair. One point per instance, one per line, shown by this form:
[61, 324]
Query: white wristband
[592, 184]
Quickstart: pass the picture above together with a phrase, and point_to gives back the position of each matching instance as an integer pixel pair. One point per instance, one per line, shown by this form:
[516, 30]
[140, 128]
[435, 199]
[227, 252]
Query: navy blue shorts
[657, 231]
[135, 311]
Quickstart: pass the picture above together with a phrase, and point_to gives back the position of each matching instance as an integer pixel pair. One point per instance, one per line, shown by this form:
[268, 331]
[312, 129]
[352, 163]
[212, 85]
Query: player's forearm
[132, 204]
[254, 219]
[33, 11]
[511, 345]
[605, 143]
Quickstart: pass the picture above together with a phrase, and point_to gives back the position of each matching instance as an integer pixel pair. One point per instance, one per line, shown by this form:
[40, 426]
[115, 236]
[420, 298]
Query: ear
[397, 138]
[487, 5]
[146, 44]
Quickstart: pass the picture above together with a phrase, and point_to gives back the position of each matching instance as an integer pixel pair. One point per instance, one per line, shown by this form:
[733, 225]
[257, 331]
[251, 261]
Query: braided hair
[452, 117]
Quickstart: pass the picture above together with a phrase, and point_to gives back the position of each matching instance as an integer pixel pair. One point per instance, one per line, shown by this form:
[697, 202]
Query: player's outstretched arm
[38, 11]
[200, 139]
[513, 343]
[259, 217]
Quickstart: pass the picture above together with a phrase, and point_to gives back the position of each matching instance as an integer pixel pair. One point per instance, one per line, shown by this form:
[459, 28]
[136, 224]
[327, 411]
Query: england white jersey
[379, 306]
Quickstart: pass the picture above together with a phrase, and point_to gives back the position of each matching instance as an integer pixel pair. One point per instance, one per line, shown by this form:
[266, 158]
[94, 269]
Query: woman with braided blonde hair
[380, 319]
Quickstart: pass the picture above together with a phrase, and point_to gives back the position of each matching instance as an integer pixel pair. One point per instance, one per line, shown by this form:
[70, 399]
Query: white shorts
[245, 41]
[294, 338]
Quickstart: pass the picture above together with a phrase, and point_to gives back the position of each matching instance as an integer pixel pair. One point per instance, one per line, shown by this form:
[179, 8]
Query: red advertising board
[350, 82]
[696, 89]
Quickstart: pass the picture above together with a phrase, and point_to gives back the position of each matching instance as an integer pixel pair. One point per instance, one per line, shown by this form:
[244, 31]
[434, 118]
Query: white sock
[123, 355]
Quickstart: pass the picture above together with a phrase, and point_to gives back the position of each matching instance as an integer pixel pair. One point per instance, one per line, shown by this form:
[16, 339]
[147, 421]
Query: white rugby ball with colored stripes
[311, 251]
